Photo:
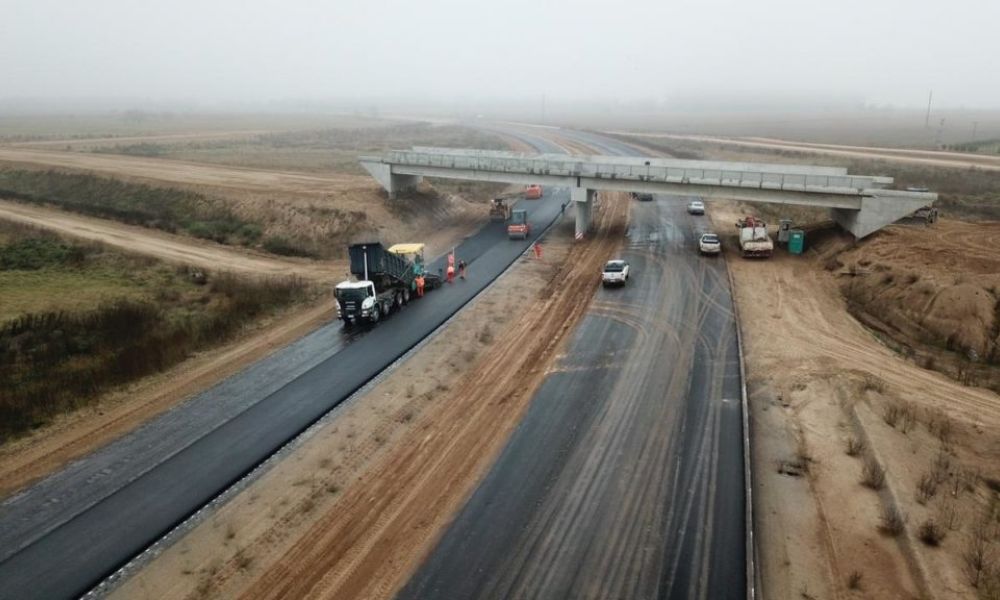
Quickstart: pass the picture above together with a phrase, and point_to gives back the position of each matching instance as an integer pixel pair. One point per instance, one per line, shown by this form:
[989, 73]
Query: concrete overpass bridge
[861, 204]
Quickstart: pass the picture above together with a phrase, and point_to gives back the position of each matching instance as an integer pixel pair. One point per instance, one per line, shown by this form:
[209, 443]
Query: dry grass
[872, 474]
[854, 446]
[891, 521]
[854, 580]
[930, 533]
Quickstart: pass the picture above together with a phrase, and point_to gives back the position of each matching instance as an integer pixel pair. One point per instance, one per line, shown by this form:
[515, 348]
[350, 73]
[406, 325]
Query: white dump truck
[754, 241]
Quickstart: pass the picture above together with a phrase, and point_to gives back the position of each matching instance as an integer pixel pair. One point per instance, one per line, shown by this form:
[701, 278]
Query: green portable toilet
[796, 241]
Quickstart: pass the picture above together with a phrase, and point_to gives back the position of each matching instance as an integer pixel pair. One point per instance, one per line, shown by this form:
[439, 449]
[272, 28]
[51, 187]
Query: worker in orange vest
[538, 250]
[451, 273]
[420, 286]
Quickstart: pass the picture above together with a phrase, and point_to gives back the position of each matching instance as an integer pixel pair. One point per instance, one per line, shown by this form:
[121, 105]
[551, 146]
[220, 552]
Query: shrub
[926, 487]
[891, 413]
[872, 474]
[33, 253]
[891, 521]
[930, 533]
[854, 446]
[854, 580]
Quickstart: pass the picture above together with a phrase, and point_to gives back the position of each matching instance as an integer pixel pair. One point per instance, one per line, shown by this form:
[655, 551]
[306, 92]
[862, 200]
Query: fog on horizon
[660, 52]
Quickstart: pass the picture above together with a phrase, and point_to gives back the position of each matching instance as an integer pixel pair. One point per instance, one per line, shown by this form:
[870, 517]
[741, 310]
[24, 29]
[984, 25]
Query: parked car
[709, 243]
[644, 197]
[696, 207]
[615, 273]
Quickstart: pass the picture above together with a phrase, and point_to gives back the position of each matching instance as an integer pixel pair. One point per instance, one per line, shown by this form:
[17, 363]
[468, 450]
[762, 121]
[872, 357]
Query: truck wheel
[376, 313]
[406, 296]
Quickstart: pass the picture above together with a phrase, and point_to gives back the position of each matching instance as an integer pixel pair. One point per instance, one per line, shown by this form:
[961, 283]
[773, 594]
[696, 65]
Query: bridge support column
[583, 202]
[393, 183]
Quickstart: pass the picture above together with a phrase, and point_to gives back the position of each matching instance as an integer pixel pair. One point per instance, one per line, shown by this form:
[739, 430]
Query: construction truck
[519, 228]
[386, 281]
[754, 241]
[533, 192]
[503, 204]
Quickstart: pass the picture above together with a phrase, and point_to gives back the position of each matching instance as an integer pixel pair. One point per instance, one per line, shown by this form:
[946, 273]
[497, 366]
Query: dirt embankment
[933, 293]
[355, 509]
[319, 212]
[874, 477]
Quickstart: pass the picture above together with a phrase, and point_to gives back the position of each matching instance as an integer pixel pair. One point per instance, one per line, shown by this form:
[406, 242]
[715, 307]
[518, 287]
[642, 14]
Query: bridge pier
[583, 202]
[392, 182]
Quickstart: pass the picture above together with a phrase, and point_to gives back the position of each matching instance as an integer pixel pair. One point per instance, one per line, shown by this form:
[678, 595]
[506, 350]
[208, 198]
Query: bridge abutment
[392, 182]
[876, 212]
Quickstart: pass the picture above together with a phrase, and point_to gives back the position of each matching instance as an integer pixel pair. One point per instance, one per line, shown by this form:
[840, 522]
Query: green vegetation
[169, 209]
[130, 317]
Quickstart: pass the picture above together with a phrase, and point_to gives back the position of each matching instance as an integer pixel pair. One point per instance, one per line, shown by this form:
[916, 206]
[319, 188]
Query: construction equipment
[533, 192]
[499, 211]
[386, 281]
[754, 241]
[519, 227]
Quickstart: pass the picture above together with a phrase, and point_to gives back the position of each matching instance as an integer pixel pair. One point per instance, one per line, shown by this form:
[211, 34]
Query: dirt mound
[933, 292]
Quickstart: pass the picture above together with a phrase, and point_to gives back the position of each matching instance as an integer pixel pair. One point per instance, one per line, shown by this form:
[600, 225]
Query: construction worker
[461, 269]
[538, 250]
[420, 286]
[451, 273]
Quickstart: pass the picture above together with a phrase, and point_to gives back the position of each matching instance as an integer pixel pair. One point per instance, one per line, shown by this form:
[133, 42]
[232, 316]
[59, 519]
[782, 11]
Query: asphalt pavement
[63, 535]
[625, 477]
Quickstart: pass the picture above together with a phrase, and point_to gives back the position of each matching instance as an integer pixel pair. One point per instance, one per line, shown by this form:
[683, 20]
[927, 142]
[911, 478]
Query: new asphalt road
[625, 478]
[63, 535]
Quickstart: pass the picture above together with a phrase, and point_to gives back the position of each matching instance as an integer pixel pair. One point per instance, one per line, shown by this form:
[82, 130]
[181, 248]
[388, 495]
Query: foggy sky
[871, 51]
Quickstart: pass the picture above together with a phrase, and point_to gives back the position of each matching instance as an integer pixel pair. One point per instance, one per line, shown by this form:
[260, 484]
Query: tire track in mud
[637, 505]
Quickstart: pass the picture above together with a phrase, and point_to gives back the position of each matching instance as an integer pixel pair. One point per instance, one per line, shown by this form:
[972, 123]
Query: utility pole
[543, 109]
[927, 119]
[975, 125]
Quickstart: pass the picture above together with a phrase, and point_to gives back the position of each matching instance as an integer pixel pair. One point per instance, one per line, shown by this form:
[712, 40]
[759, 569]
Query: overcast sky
[875, 51]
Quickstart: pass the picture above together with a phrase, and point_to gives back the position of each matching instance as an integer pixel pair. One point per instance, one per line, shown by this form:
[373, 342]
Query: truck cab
[357, 301]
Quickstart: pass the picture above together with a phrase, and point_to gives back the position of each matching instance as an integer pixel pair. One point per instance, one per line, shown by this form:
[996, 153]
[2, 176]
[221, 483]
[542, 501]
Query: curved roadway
[625, 477]
[63, 535]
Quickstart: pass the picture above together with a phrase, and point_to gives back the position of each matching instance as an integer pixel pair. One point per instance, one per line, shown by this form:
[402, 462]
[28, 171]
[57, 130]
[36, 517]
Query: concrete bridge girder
[860, 210]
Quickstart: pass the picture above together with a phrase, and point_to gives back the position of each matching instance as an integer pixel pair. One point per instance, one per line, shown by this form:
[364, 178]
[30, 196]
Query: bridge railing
[570, 167]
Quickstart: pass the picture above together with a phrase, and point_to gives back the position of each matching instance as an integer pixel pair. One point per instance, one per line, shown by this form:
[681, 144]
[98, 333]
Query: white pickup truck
[615, 273]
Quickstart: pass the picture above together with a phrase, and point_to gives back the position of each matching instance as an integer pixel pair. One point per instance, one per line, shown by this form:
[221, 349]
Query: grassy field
[127, 123]
[77, 320]
[331, 150]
